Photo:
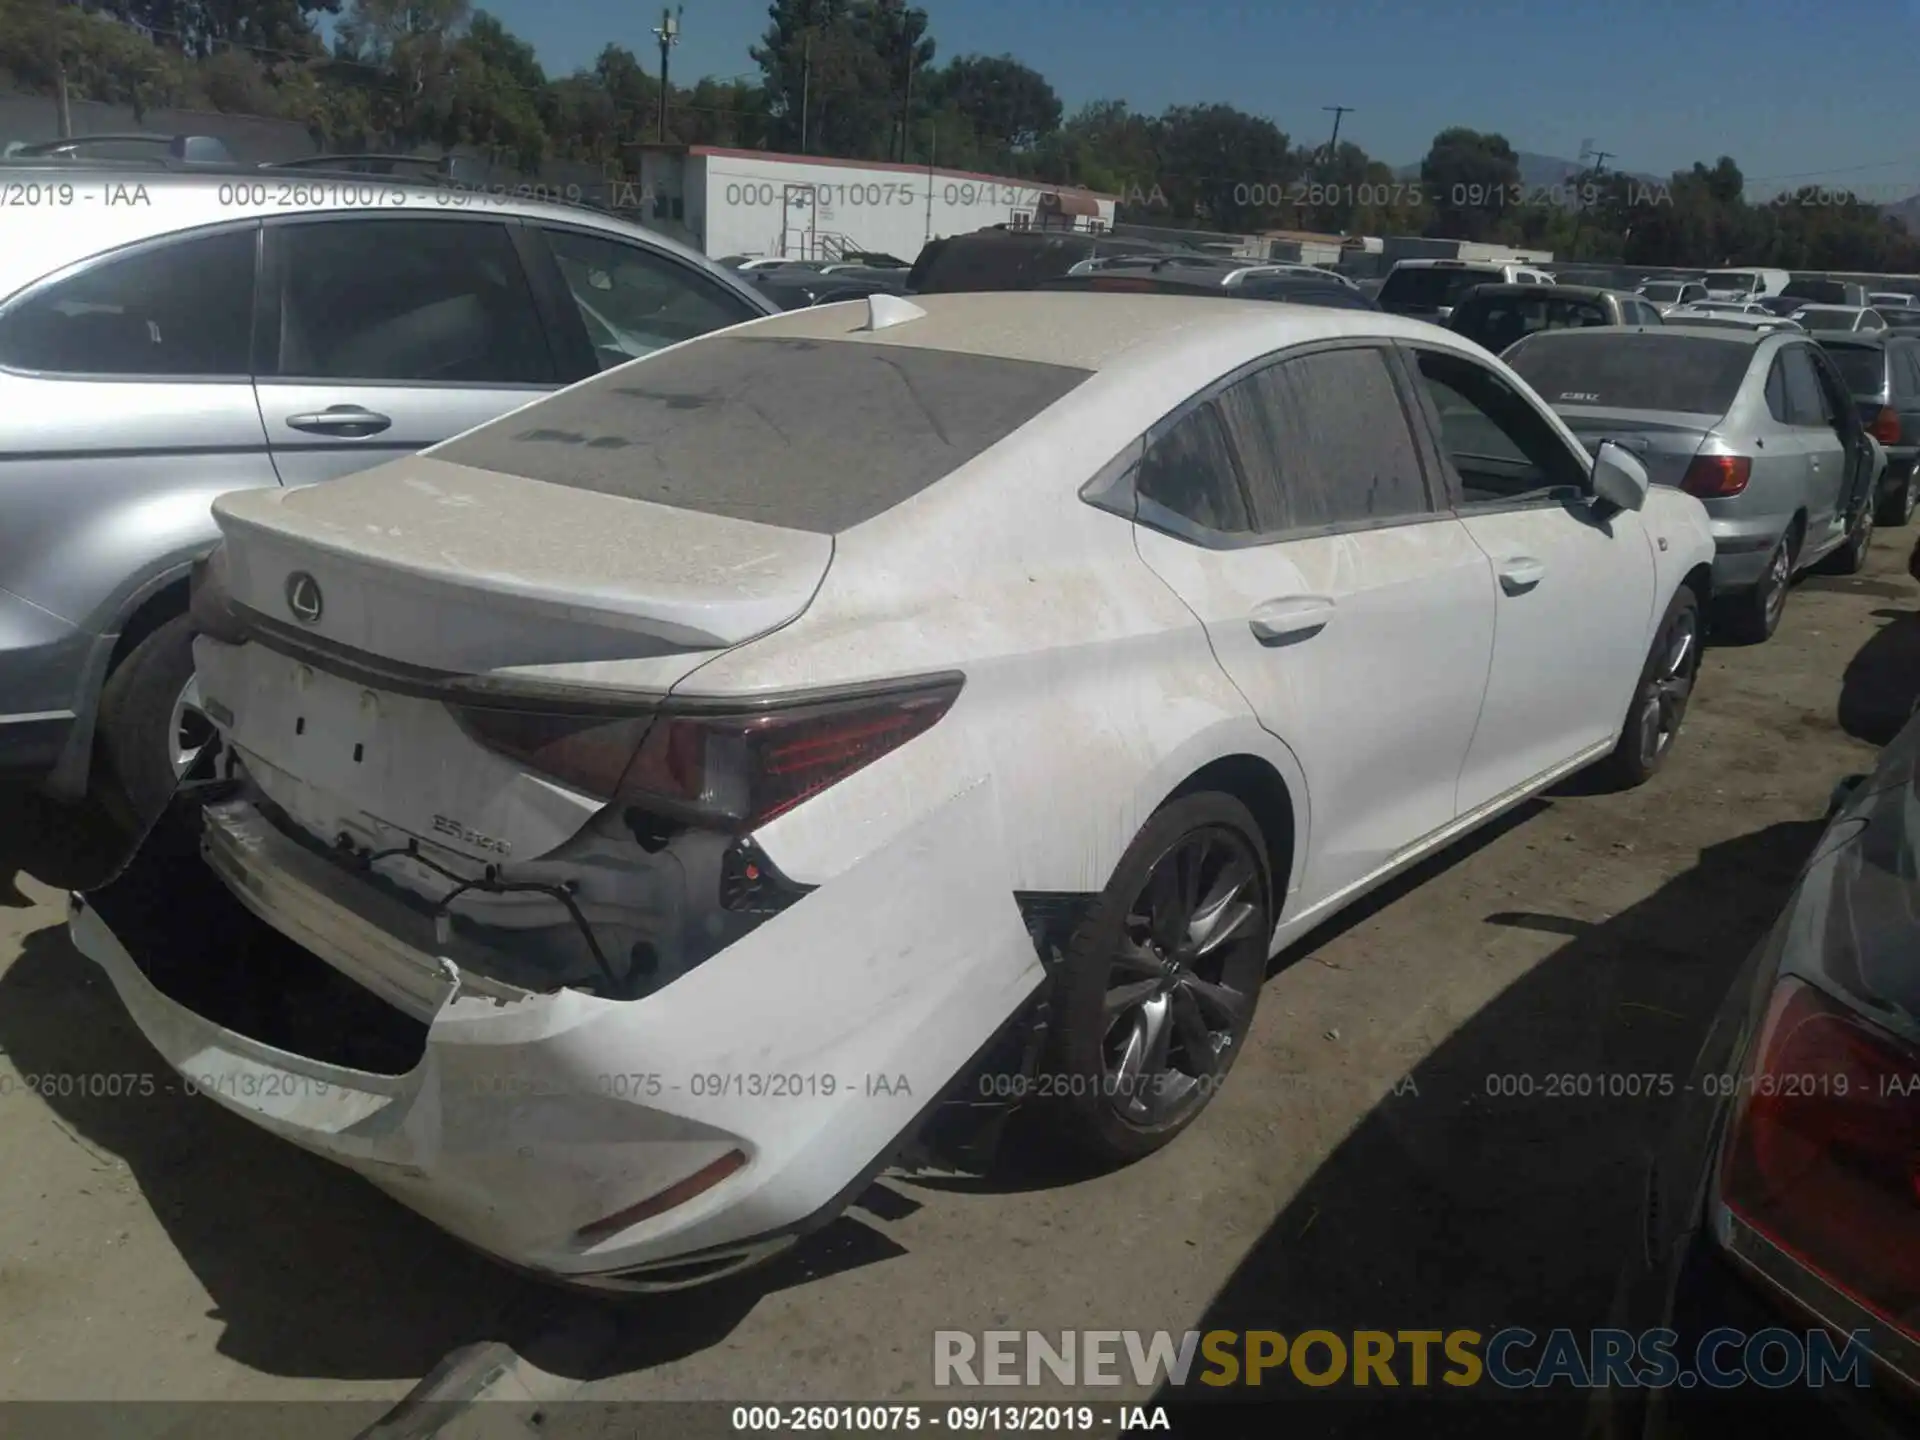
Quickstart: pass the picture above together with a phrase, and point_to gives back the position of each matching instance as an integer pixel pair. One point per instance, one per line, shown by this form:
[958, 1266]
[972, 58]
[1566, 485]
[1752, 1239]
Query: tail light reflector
[733, 770]
[1886, 426]
[1823, 1158]
[1714, 477]
[674, 1196]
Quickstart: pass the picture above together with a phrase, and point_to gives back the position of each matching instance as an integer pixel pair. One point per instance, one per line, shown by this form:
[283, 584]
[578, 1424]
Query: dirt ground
[152, 1247]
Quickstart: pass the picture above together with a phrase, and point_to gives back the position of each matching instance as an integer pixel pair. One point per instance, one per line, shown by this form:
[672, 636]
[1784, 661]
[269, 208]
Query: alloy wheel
[191, 737]
[1664, 700]
[1182, 983]
[1779, 575]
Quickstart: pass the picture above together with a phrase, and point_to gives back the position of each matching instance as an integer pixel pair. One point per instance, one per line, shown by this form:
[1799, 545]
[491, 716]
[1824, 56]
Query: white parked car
[701, 771]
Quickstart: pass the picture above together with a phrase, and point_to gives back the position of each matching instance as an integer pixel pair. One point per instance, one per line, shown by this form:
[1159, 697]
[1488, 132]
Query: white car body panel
[529, 1119]
[1379, 704]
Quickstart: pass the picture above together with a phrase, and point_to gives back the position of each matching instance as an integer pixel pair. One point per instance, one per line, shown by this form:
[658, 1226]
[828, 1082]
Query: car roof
[1093, 330]
[1464, 265]
[107, 211]
[1565, 292]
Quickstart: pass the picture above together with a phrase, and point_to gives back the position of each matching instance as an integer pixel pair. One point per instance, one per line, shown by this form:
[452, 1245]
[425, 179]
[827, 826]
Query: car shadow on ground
[311, 1271]
[1882, 681]
[1456, 1204]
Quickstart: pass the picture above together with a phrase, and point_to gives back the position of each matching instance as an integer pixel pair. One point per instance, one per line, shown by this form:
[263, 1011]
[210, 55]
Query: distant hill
[1906, 211]
[1539, 171]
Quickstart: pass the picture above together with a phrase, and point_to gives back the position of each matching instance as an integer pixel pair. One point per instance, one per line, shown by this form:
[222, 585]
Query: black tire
[1751, 616]
[1897, 509]
[1851, 557]
[137, 709]
[1659, 703]
[1087, 1095]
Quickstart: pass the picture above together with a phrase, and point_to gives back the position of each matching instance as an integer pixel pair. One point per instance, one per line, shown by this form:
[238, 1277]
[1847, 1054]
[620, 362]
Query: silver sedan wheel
[191, 737]
[1664, 701]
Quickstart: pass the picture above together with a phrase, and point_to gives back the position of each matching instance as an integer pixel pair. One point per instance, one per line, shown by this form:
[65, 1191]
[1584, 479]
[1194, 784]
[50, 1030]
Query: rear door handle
[352, 421]
[1520, 574]
[1297, 618]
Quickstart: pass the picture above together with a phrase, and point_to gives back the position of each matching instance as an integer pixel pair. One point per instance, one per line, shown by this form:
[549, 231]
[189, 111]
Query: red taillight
[734, 769]
[1714, 477]
[1886, 426]
[1821, 1159]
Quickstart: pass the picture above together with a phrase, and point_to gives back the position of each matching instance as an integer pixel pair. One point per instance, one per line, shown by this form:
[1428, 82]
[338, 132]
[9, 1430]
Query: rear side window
[1189, 471]
[182, 308]
[1806, 401]
[1323, 441]
[808, 434]
[1777, 393]
[1862, 367]
[1908, 373]
[403, 301]
[633, 301]
[1632, 370]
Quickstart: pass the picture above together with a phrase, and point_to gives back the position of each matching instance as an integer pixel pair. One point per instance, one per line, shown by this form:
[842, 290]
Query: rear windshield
[1504, 319]
[1661, 291]
[1863, 367]
[1827, 292]
[1634, 370]
[813, 435]
[1431, 287]
[1740, 281]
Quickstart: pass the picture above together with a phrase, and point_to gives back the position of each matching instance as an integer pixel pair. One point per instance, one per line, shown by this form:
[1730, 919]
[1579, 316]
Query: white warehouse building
[805, 207]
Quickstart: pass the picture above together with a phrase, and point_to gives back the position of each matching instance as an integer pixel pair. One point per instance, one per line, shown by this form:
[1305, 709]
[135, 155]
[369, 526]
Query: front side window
[1323, 441]
[634, 302]
[182, 308]
[1499, 445]
[401, 301]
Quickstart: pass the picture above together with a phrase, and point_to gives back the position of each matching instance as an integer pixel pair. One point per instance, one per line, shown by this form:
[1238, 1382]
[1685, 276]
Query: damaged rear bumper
[792, 1063]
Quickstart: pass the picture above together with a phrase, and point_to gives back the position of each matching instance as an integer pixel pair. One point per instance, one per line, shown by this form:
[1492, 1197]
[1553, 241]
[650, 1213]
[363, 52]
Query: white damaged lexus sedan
[644, 815]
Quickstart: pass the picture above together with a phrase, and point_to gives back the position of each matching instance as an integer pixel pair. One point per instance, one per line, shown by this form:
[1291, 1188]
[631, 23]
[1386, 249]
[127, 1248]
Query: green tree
[1224, 167]
[1011, 107]
[1468, 178]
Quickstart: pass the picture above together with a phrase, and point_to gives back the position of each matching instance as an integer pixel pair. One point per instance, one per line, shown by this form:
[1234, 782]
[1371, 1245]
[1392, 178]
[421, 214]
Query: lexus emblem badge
[303, 597]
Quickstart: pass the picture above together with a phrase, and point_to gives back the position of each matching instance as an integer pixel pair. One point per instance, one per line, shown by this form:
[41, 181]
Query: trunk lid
[454, 569]
[1663, 441]
[384, 585]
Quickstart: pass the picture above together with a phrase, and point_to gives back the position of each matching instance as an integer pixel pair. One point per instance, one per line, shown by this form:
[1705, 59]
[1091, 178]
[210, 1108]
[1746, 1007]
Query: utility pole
[668, 32]
[1338, 111]
[806, 77]
[906, 103]
[1600, 158]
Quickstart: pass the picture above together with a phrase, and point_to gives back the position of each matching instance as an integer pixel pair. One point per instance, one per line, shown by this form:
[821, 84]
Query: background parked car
[1783, 1189]
[1290, 288]
[1885, 300]
[1745, 318]
[1821, 290]
[154, 356]
[1883, 372]
[1742, 284]
[997, 258]
[1496, 316]
[796, 289]
[1839, 318]
[1665, 294]
[1759, 426]
[1429, 289]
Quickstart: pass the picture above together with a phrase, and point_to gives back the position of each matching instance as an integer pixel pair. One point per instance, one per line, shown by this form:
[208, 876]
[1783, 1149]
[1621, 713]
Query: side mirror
[1619, 479]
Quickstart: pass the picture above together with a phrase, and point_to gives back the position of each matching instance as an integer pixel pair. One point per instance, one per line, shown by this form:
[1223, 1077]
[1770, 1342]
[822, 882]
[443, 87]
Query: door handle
[352, 421]
[1279, 622]
[1520, 574]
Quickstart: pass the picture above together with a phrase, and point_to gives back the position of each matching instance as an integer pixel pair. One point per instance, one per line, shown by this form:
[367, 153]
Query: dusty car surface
[650, 805]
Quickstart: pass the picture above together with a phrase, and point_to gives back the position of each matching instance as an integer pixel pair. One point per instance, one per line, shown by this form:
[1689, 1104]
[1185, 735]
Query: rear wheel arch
[1700, 580]
[148, 614]
[1256, 784]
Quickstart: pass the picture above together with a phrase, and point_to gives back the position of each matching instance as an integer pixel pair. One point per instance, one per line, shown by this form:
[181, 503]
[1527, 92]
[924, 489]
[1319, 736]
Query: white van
[1744, 284]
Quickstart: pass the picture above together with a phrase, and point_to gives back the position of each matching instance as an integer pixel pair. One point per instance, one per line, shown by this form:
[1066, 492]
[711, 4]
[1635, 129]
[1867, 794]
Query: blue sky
[1811, 92]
